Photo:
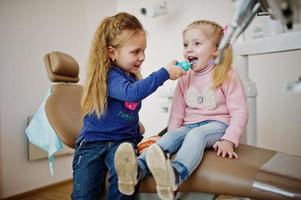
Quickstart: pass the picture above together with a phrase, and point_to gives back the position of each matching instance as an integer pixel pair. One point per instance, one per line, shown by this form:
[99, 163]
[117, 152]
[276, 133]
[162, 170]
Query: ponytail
[221, 70]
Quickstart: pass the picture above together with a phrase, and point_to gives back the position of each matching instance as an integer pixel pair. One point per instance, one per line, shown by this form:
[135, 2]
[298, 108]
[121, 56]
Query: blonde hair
[215, 33]
[108, 33]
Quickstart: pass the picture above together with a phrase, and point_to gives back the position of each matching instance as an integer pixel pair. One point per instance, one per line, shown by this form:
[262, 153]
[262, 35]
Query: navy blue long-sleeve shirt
[120, 120]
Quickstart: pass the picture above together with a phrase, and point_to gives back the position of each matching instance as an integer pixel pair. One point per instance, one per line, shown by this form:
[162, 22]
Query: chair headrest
[61, 67]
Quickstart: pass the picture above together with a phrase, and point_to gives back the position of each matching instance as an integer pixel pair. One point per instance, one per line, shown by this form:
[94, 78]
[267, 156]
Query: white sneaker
[162, 171]
[126, 168]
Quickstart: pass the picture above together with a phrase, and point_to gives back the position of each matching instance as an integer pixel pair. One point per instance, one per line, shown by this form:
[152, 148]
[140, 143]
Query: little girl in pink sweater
[209, 110]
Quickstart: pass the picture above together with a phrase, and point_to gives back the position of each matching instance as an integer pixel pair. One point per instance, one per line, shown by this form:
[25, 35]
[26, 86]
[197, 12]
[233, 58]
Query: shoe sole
[158, 165]
[126, 166]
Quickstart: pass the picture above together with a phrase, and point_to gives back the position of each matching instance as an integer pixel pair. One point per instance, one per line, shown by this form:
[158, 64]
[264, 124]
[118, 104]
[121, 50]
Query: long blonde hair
[215, 33]
[94, 99]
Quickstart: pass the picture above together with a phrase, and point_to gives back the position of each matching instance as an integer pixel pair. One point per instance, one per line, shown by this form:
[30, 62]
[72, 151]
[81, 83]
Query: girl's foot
[126, 168]
[162, 171]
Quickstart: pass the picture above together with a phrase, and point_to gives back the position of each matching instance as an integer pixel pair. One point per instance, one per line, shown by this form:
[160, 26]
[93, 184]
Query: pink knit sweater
[195, 101]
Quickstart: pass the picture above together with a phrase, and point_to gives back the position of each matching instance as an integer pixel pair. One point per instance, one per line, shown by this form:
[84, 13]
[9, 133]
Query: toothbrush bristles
[193, 62]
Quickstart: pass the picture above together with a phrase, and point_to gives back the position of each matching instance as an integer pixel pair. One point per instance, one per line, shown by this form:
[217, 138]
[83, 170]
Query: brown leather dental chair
[63, 105]
[258, 173]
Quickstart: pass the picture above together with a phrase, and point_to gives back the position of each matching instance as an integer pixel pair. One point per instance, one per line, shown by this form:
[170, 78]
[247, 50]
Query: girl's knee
[195, 135]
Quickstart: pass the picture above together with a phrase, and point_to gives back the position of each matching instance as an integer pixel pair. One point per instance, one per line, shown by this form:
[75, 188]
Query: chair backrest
[63, 105]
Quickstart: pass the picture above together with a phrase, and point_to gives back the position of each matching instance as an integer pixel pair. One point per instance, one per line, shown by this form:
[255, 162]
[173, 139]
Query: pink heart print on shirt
[131, 105]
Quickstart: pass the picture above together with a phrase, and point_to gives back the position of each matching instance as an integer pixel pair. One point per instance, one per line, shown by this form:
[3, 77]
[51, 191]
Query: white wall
[1, 179]
[29, 30]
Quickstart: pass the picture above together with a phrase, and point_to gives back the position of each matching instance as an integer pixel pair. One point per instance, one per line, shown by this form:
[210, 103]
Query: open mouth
[137, 66]
[192, 60]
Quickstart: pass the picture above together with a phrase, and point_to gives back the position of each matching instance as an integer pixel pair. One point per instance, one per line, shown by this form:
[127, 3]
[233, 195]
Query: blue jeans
[189, 141]
[92, 161]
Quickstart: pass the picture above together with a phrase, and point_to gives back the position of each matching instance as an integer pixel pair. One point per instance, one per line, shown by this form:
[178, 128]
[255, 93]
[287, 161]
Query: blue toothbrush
[185, 65]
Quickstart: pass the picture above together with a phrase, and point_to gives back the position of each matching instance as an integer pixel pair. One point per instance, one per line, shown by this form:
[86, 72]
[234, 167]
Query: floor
[63, 191]
[60, 192]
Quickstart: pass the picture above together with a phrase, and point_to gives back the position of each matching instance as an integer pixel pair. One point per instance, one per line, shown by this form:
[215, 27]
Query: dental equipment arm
[287, 11]
[242, 11]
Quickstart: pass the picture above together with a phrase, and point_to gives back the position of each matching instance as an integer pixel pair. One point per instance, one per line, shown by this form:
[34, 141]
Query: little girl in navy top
[111, 101]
